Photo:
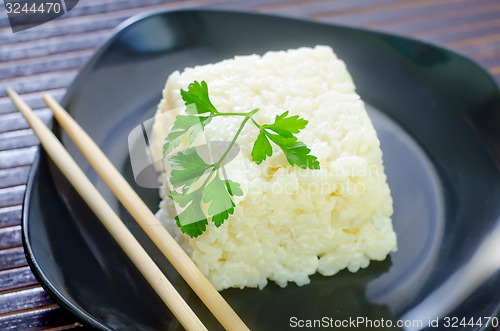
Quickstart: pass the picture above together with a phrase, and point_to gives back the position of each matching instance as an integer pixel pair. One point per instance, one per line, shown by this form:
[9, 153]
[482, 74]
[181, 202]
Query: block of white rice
[291, 222]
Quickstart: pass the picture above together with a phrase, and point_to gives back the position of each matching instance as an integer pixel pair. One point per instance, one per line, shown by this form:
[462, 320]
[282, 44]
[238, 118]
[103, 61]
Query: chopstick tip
[10, 91]
[46, 97]
[51, 102]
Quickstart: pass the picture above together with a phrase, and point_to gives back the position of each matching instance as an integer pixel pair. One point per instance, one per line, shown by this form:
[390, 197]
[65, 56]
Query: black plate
[438, 119]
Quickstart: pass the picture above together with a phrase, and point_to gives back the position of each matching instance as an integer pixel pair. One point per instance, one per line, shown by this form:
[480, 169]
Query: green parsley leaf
[296, 152]
[184, 125]
[233, 188]
[193, 229]
[197, 95]
[218, 193]
[188, 168]
[182, 199]
[261, 148]
[220, 218]
[192, 220]
[286, 126]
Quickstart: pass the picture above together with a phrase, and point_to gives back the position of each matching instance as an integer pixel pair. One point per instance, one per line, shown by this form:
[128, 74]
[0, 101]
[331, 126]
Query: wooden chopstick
[110, 220]
[147, 220]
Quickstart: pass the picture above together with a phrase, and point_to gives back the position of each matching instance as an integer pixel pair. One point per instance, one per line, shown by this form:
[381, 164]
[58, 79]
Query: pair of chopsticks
[138, 209]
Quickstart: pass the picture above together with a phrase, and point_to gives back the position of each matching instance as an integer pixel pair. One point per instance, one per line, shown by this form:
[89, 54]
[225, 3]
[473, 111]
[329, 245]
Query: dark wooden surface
[46, 59]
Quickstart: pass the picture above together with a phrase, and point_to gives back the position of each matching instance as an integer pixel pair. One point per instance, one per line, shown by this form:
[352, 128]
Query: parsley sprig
[197, 184]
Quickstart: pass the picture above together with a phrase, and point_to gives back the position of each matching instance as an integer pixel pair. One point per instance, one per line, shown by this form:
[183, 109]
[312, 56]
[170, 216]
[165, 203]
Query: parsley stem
[237, 114]
[216, 166]
[214, 169]
[218, 163]
[231, 114]
[257, 124]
